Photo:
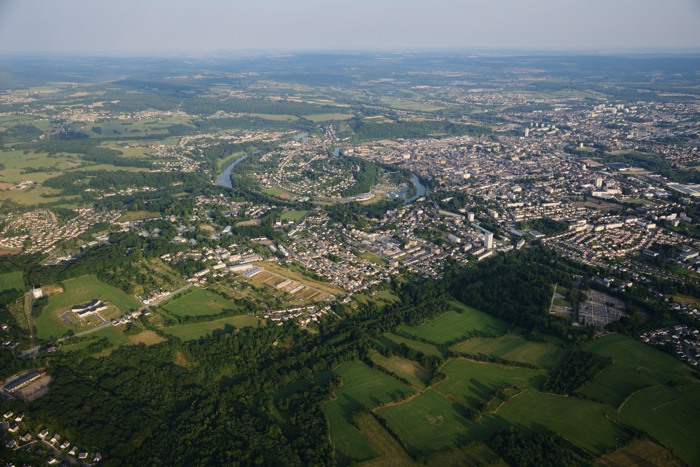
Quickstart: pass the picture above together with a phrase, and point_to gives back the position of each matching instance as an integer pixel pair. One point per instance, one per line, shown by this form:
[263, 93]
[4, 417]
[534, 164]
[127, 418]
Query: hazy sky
[119, 26]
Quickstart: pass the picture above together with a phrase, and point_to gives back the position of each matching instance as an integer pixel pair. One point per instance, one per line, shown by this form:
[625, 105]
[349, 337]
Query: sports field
[76, 291]
[457, 324]
[12, 281]
[191, 331]
[511, 347]
[199, 302]
[362, 388]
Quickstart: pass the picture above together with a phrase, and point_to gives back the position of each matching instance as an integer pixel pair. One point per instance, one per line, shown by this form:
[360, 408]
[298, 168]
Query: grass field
[687, 300]
[293, 215]
[511, 347]
[652, 454]
[389, 451]
[138, 215]
[586, 424]
[393, 341]
[416, 374]
[363, 387]
[191, 331]
[671, 415]
[457, 324]
[199, 302]
[430, 423]
[147, 338]
[327, 117]
[12, 280]
[472, 383]
[473, 454]
[76, 291]
[113, 334]
[635, 365]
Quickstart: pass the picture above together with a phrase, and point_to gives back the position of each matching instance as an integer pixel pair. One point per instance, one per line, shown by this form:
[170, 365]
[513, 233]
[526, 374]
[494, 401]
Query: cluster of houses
[683, 340]
[58, 448]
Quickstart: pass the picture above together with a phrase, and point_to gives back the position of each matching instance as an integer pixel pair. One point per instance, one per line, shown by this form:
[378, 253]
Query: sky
[148, 26]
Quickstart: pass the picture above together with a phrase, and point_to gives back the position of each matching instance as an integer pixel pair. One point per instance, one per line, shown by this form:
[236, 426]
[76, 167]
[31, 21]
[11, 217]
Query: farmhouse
[92, 307]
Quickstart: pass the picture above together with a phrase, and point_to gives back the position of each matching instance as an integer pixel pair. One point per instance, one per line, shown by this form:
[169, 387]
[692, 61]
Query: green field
[362, 388]
[511, 347]
[416, 374]
[327, 117]
[472, 383]
[671, 415]
[76, 291]
[191, 331]
[393, 341]
[113, 334]
[430, 423]
[635, 366]
[457, 324]
[199, 302]
[293, 215]
[586, 424]
[12, 281]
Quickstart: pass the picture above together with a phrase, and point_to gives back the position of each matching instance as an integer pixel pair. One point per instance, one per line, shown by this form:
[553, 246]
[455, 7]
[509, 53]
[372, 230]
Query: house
[73, 451]
[8, 415]
[55, 439]
[83, 455]
[14, 428]
[65, 445]
[26, 438]
[43, 434]
[53, 461]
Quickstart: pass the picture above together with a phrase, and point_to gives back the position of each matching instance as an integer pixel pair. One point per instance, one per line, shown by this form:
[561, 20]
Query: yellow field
[146, 337]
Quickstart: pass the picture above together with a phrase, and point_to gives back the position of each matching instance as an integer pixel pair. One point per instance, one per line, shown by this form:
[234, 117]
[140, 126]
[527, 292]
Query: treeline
[366, 175]
[538, 450]
[364, 130]
[578, 368]
[518, 288]
[89, 150]
[546, 225]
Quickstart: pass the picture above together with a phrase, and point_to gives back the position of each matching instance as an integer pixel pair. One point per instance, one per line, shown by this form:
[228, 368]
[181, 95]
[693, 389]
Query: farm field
[76, 291]
[12, 281]
[199, 302]
[652, 454]
[586, 424]
[363, 387]
[328, 117]
[191, 331]
[393, 341]
[472, 383]
[643, 358]
[430, 423]
[458, 323]
[112, 333]
[416, 374]
[669, 414]
[390, 453]
[511, 347]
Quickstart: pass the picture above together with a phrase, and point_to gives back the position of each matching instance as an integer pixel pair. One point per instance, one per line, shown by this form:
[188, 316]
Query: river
[225, 178]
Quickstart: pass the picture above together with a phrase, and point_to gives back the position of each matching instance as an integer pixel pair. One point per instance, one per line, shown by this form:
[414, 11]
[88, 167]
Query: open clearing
[191, 331]
[76, 291]
[416, 374]
[199, 302]
[643, 452]
[362, 388]
[635, 366]
[12, 281]
[472, 383]
[146, 337]
[393, 341]
[511, 347]
[669, 414]
[389, 451]
[458, 323]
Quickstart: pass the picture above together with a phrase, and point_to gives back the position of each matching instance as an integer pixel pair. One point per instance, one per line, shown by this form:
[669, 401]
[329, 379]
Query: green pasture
[457, 324]
[199, 302]
[12, 281]
[191, 331]
[511, 347]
